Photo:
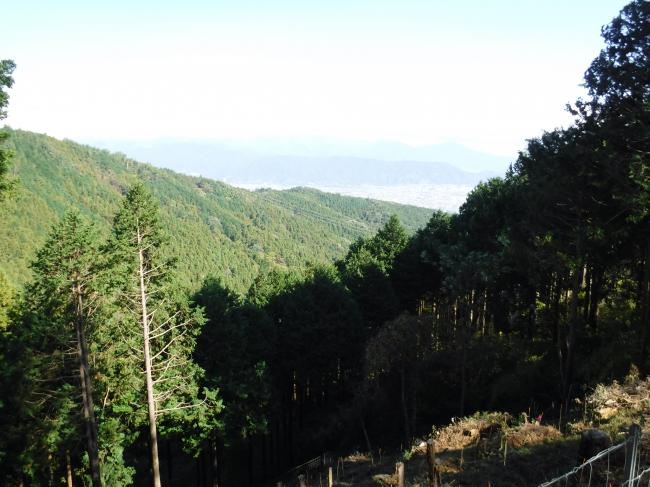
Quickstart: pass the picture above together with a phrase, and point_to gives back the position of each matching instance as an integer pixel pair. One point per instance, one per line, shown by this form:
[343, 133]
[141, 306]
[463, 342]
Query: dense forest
[117, 367]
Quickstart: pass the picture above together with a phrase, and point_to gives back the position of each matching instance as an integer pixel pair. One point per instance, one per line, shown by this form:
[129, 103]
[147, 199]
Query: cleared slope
[214, 229]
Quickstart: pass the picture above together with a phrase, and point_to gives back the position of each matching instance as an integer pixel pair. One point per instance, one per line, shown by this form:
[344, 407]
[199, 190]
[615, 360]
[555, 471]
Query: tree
[156, 321]
[416, 272]
[618, 113]
[62, 303]
[366, 270]
[620, 72]
[396, 348]
[235, 348]
[6, 81]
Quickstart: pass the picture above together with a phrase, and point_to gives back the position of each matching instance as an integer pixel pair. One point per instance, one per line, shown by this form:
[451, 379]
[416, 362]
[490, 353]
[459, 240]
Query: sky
[487, 75]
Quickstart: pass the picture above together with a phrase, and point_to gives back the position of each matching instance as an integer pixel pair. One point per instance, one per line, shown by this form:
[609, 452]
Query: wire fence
[313, 470]
[607, 469]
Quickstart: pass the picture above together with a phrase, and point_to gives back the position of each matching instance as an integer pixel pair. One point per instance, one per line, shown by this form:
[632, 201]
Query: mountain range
[317, 163]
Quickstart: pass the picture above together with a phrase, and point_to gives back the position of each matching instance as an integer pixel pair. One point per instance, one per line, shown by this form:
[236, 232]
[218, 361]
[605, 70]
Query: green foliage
[367, 268]
[46, 338]
[7, 297]
[214, 229]
[7, 67]
[6, 81]
[235, 349]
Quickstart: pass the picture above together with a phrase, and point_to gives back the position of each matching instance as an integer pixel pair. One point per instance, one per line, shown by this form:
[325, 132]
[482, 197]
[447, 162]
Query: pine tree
[60, 309]
[157, 324]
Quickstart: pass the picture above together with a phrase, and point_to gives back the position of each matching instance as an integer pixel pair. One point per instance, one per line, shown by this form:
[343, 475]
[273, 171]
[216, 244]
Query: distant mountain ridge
[215, 229]
[319, 164]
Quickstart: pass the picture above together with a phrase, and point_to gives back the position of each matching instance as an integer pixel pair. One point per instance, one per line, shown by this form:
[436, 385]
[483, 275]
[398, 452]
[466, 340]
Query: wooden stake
[399, 472]
[434, 474]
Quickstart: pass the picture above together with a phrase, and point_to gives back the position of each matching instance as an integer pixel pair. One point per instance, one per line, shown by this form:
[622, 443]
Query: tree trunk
[153, 434]
[574, 319]
[554, 294]
[250, 461]
[215, 462]
[365, 435]
[289, 431]
[407, 430]
[68, 469]
[463, 377]
[596, 286]
[531, 318]
[645, 310]
[414, 400]
[170, 462]
[588, 279]
[92, 444]
[264, 439]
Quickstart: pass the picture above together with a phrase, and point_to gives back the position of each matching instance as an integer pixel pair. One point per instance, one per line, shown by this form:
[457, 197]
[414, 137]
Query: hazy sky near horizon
[487, 75]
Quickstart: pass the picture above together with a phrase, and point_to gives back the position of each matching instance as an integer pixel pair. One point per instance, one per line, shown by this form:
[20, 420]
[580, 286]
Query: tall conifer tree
[61, 304]
[157, 324]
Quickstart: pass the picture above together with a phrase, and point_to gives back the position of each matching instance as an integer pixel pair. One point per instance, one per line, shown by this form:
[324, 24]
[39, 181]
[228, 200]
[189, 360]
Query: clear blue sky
[484, 74]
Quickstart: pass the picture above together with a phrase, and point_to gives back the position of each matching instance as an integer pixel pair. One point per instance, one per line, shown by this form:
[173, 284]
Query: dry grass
[530, 434]
[357, 457]
[487, 431]
[465, 432]
[617, 405]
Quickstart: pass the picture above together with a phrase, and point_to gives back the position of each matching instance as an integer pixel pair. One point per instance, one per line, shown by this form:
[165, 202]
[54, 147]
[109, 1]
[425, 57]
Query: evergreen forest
[159, 329]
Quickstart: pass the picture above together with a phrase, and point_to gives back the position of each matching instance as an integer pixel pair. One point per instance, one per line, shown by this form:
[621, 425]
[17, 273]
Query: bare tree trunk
[92, 443]
[153, 434]
[68, 469]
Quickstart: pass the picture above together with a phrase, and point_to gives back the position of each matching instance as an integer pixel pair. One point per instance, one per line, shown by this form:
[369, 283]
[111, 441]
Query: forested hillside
[215, 229]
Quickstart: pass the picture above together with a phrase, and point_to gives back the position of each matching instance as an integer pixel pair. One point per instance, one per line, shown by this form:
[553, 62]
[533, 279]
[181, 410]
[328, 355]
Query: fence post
[631, 454]
[399, 473]
[434, 475]
[330, 477]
